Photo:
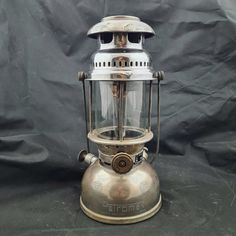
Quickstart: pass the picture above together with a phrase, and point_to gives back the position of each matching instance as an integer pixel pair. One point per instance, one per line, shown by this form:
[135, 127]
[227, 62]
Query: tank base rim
[121, 219]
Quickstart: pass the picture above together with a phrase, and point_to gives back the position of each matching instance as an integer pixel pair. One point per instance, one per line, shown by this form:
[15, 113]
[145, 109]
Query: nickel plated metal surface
[120, 187]
[120, 199]
[122, 219]
[130, 65]
[136, 158]
[121, 23]
[120, 58]
[94, 137]
[113, 149]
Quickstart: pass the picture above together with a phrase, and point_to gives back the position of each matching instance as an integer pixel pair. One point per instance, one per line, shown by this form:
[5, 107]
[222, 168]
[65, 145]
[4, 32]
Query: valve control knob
[122, 163]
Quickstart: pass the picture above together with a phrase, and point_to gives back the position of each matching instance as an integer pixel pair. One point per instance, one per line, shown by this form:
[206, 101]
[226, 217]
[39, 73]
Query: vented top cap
[121, 23]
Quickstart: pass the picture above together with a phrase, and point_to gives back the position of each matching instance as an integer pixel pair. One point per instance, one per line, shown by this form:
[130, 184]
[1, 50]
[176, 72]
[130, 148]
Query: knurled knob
[122, 163]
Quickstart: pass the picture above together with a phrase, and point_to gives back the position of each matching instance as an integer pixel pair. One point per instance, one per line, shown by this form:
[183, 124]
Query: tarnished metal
[111, 150]
[107, 157]
[89, 158]
[122, 163]
[116, 198]
[96, 137]
[121, 23]
[120, 186]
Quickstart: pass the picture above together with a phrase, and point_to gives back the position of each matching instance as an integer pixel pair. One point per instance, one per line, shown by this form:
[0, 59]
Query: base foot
[121, 220]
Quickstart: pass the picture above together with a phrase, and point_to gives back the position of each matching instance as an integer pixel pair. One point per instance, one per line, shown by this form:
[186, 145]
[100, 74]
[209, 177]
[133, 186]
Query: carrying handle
[81, 77]
[160, 76]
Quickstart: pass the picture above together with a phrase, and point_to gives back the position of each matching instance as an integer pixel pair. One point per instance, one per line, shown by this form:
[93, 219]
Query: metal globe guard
[120, 186]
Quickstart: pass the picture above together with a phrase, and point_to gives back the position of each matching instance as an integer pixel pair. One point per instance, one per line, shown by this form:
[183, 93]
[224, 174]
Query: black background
[43, 45]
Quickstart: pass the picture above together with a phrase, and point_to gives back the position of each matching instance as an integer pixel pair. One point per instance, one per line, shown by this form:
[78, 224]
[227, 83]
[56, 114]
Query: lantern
[120, 186]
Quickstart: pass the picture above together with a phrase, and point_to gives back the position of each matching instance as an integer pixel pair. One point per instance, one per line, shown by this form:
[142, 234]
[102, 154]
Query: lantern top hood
[121, 23]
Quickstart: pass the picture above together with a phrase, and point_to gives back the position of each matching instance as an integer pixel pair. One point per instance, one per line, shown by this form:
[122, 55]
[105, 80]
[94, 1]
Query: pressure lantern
[120, 186]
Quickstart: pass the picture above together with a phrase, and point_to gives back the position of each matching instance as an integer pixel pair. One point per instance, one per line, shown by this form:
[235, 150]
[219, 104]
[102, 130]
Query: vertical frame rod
[149, 105]
[160, 76]
[82, 77]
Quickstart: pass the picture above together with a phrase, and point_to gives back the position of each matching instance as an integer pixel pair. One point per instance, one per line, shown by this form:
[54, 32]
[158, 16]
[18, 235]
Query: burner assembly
[120, 186]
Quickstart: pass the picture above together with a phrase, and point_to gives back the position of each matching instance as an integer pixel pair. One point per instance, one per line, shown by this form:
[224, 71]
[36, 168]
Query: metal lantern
[120, 186]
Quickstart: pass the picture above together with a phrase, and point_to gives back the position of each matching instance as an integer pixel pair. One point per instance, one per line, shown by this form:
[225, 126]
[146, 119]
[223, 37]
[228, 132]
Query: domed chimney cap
[121, 23]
